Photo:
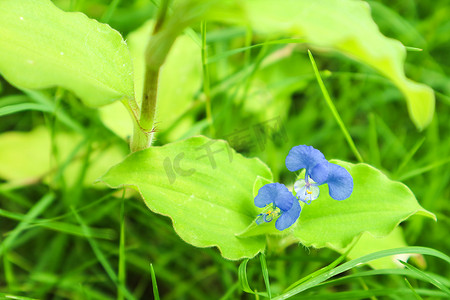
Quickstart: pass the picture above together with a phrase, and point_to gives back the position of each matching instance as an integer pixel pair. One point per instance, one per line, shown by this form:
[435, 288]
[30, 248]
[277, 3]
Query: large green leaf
[377, 205]
[208, 198]
[346, 26]
[31, 156]
[27, 155]
[42, 46]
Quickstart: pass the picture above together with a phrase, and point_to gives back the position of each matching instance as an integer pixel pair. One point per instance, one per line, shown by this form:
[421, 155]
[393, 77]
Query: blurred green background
[52, 258]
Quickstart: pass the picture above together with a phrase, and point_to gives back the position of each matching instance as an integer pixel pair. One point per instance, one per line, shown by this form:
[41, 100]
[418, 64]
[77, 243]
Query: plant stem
[161, 40]
[144, 129]
[162, 12]
[148, 109]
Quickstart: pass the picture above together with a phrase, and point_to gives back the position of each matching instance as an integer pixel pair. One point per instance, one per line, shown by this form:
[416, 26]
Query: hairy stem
[148, 109]
[165, 32]
[154, 59]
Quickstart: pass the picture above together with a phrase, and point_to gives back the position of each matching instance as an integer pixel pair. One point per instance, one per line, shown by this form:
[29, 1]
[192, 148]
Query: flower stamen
[270, 212]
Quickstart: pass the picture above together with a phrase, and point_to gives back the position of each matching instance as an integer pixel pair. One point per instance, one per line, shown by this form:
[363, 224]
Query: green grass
[63, 239]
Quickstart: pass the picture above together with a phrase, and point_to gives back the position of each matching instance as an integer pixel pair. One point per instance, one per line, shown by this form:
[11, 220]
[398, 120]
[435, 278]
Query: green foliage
[186, 194]
[367, 244]
[29, 156]
[354, 33]
[91, 245]
[426, 277]
[350, 264]
[376, 206]
[32, 214]
[43, 46]
[208, 195]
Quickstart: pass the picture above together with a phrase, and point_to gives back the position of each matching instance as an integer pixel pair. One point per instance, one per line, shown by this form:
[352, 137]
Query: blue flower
[318, 171]
[279, 202]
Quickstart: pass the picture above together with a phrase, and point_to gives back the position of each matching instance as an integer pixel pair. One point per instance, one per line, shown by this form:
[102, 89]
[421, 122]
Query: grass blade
[410, 155]
[101, 257]
[420, 171]
[243, 281]
[29, 217]
[11, 109]
[431, 280]
[363, 294]
[226, 54]
[413, 290]
[110, 11]
[334, 110]
[230, 291]
[154, 284]
[14, 297]
[361, 260]
[122, 260]
[400, 272]
[413, 49]
[325, 269]
[373, 141]
[265, 273]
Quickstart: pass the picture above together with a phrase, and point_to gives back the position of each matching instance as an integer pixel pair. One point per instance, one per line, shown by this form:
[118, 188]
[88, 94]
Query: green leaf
[345, 26]
[377, 205]
[43, 46]
[259, 183]
[368, 244]
[28, 156]
[208, 198]
[243, 280]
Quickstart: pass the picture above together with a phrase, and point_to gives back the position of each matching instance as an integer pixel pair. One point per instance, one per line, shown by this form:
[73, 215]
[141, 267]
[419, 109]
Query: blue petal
[340, 182]
[276, 193]
[288, 217]
[319, 173]
[303, 157]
